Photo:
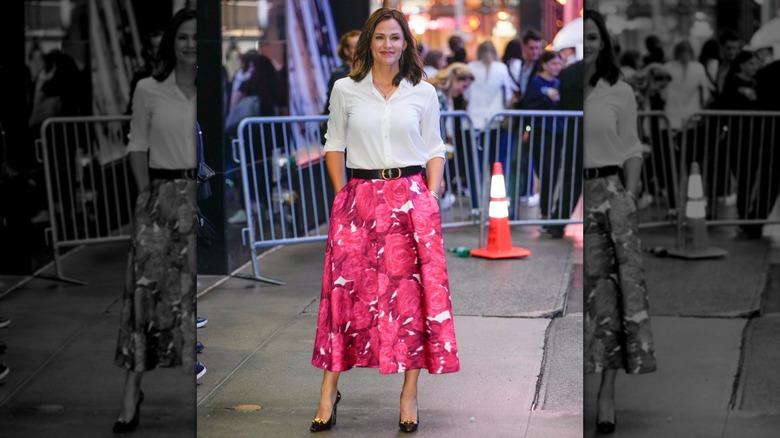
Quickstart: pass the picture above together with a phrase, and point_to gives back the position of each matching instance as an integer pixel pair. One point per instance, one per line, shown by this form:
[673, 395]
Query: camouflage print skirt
[617, 321]
[157, 325]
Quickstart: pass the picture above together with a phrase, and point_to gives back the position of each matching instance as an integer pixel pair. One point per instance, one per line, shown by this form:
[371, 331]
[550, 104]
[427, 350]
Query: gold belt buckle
[382, 174]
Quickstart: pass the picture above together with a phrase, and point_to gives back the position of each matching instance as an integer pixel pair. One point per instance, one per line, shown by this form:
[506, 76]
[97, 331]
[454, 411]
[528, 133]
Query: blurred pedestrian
[630, 63]
[346, 51]
[384, 258]
[768, 87]
[543, 93]
[655, 50]
[151, 43]
[513, 58]
[258, 96]
[433, 61]
[157, 324]
[60, 91]
[571, 90]
[457, 50]
[451, 82]
[709, 58]
[247, 62]
[650, 86]
[768, 91]
[617, 324]
[687, 90]
[746, 147]
[730, 46]
[532, 50]
[489, 94]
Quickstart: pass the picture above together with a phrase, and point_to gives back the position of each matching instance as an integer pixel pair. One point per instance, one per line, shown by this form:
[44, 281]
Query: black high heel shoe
[318, 424]
[409, 426]
[122, 427]
[606, 426]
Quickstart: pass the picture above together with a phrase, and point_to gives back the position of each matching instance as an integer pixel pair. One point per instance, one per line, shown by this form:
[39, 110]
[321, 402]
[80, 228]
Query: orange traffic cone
[696, 243]
[499, 245]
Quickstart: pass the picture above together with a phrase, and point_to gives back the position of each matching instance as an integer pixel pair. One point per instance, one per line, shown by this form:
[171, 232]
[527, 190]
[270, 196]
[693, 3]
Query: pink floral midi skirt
[385, 299]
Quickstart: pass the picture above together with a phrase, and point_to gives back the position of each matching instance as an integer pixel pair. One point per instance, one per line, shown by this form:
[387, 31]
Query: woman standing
[385, 299]
[489, 94]
[543, 93]
[450, 83]
[617, 324]
[158, 308]
[687, 91]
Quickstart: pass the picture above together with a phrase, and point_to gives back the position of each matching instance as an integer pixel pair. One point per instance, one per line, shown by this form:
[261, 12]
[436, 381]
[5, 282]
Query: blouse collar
[370, 76]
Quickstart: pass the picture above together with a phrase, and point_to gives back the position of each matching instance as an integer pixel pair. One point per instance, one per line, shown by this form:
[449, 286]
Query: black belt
[173, 173]
[389, 173]
[600, 172]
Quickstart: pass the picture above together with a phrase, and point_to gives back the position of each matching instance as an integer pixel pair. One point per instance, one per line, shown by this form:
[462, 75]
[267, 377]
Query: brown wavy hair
[166, 55]
[410, 63]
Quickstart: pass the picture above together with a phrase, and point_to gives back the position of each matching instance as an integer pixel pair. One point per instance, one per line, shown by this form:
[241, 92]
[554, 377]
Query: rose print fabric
[617, 320]
[157, 322]
[385, 299]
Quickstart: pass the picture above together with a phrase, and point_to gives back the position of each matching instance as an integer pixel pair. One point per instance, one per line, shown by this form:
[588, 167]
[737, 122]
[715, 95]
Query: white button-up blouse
[403, 131]
[610, 125]
[163, 124]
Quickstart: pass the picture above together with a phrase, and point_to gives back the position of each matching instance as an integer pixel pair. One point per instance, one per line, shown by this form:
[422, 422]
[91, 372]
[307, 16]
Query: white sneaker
[644, 201]
[41, 217]
[447, 201]
[533, 200]
[238, 217]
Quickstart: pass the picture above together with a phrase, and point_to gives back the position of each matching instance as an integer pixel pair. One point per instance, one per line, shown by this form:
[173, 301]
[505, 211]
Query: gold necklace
[384, 93]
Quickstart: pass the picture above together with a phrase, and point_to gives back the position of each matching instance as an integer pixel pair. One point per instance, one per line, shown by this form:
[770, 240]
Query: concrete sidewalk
[514, 357]
[61, 344]
[716, 346]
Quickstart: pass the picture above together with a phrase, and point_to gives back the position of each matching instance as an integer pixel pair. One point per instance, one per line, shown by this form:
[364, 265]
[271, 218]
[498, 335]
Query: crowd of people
[725, 75]
[525, 77]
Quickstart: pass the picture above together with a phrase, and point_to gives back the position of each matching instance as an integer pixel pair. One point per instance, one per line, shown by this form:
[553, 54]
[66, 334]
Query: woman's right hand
[553, 94]
[748, 92]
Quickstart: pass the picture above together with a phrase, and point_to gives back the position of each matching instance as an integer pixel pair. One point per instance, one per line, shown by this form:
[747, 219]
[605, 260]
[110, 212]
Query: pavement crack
[540, 376]
[767, 300]
[736, 387]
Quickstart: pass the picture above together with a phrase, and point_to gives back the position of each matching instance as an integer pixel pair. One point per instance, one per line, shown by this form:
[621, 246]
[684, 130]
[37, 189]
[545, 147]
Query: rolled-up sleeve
[336, 137]
[430, 128]
[140, 122]
[627, 128]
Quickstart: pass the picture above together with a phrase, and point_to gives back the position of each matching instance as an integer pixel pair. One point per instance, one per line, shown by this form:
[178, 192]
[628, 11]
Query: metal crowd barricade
[88, 183]
[659, 183]
[287, 192]
[739, 156]
[461, 204]
[541, 148]
[286, 189]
